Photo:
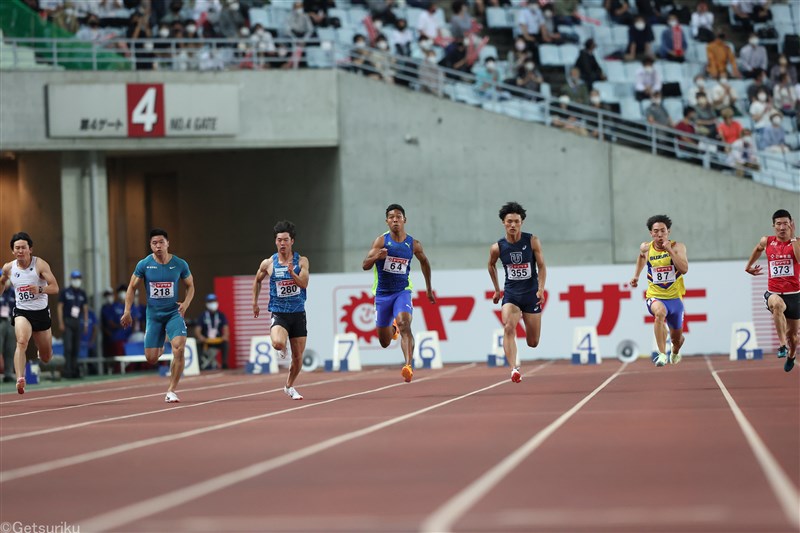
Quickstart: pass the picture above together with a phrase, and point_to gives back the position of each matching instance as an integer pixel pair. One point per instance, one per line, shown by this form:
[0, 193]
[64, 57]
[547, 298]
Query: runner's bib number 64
[396, 265]
[161, 289]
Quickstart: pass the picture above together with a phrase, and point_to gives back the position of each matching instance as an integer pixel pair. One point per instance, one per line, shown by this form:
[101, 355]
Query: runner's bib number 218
[161, 289]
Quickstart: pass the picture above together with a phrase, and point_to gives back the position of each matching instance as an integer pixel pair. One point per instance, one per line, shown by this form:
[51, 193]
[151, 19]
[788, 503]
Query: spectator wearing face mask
[752, 57]
[588, 66]
[640, 40]
[529, 22]
[656, 113]
[648, 80]
[698, 87]
[705, 117]
[729, 130]
[92, 31]
[114, 335]
[226, 22]
[519, 54]
[686, 126]
[359, 57]
[430, 76]
[298, 23]
[461, 23]
[382, 60]
[487, 79]
[428, 25]
[594, 118]
[317, 11]
[760, 111]
[401, 37]
[575, 88]
[759, 82]
[724, 95]
[720, 58]
[743, 154]
[673, 41]
[781, 67]
[563, 117]
[455, 57]
[702, 23]
[773, 139]
[784, 97]
[528, 78]
[72, 305]
[211, 331]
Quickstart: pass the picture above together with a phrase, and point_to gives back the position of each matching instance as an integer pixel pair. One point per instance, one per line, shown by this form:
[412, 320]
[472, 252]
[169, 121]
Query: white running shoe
[675, 358]
[292, 393]
[516, 377]
[283, 353]
[661, 360]
[172, 398]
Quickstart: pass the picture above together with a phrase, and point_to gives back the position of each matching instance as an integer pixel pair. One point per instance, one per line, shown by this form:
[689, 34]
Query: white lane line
[441, 520]
[48, 466]
[125, 515]
[36, 398]
[783, 488]
[173, 407]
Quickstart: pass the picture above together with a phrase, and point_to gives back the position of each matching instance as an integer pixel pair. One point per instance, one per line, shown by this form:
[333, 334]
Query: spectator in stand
[565, 118]
[743, 154]
[428, 25]
[640, 40]
[385, 14]
[487, 79]
[423, 45]
[720, 56]
[656, 113]
[685, 126]
[72, 305]
[593, 119]
[66, 17]
[575, 88]
[567, 12]
[648, 80]
[8, 338]
[174, 13]
[705, 118]
[698, 87]
[455, 57]
[382, 60]
[703, 23]
[519, 55]
[226, 22]
[752, 57]
[783, 66]
[673, 41]
[299, 24]
[317, 11]
[760, 82]
[724, 95]
[401, 37]
[212, 332]
[529, 21]
[760, 111]
[783, 96]
[650, 12]
[114, 335]
[360, 62]
[729, 130]
[461, 23]
[619, 11]
[528, 78]
[91, 31]
[549, 34]
[430, 75]
[588, 65]
[773, 139]
[139, 34]
[749, 12]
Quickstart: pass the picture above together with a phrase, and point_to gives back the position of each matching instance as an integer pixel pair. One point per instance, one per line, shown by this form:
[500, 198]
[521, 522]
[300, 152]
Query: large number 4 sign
[145, 110]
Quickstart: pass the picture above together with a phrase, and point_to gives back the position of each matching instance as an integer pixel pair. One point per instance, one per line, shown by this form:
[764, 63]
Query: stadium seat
[673, 71]
[615, 71]
[326, 34]
[619, 35]
[674, 107]
[487, 51]
[607, 91]
[259, 16]
[549, 55]
[497, 17]
[630, 109]
[316, 57]
[569, 54]
[341, 14]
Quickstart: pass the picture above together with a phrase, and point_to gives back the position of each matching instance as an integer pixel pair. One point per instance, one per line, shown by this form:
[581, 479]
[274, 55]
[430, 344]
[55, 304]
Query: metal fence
[778, 169]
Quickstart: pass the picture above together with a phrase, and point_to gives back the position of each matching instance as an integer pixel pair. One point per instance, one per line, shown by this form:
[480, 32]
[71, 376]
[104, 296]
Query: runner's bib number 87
[161, 289]
[521, 271]
[781, 268]
[665, 274]
[287, 288]
[396, 265]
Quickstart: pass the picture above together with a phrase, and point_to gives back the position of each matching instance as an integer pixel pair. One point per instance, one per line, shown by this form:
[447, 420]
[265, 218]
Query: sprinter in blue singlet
[288, 279]
[523, 294]
[161, 272]
[390, 259]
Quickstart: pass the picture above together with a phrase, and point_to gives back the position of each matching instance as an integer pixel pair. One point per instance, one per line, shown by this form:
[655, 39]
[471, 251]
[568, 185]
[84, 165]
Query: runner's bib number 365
[287, 288]
[161, 289]
[521, 271]
[396, 265]
[781, 268]
[665, 274]
[25, 294]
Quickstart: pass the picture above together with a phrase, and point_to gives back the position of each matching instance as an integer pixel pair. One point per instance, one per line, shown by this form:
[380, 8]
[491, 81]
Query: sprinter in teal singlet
[390, 259]
[161, 272]
[288, 279]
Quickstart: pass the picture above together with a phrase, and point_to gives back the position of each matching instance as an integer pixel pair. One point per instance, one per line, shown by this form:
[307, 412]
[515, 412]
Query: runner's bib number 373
[396, 265]
[781, 268]
[161, 289]
[287, 288]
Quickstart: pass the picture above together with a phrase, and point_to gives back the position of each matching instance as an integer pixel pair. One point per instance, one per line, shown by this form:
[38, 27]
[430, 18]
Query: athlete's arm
[46, 274]
[376, 253]
[5, 276]
[300, 279]
[494, 255]
[262, 272]
[678, 255]
[640, 262]
[795, 242]
[126, 319]
[188, 282]
[425, 267]
[755, 269]
[536, 246]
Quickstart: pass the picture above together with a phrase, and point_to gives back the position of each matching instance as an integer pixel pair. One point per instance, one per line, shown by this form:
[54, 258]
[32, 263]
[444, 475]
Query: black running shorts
[294, 323]
[792, 304]
[40, 320]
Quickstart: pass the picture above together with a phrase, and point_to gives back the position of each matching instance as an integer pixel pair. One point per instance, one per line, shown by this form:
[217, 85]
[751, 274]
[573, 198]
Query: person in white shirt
[530, 21]
[723, 94]
[752, 57]
[401, 38]
[428, 24]
[702, 23]
[698, 87]
[648, 80]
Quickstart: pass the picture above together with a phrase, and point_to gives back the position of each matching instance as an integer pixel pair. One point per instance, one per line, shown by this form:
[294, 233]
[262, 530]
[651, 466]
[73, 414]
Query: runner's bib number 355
[781, 268]
[287, 288]
[161, 289]
[396, 265]
[521, 271]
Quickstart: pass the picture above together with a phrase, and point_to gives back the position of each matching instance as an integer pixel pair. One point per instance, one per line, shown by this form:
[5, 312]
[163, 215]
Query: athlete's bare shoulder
[7, 268]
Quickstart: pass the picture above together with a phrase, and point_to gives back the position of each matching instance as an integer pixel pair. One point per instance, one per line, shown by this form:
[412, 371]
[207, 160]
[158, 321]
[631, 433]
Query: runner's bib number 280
[396, 265]
[521, 271]
[781, 268]
[287, 288]
[161, 289]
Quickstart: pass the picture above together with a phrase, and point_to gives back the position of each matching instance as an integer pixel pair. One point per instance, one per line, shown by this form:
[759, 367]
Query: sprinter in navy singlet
[390, 260]
[288, 279]
[523, 292]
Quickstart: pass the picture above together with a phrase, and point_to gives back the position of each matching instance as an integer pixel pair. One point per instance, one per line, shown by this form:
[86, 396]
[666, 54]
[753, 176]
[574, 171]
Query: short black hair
[659, 218]
[21, 236]
[781, 213]
[155, 232]
[284, 226]
[397, 207]
[512, 207]
[687, 111]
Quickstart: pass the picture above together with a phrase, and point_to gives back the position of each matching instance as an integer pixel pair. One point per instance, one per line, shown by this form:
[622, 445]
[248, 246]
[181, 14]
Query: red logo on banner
[610, 295]
[146, 110]
[359, 317]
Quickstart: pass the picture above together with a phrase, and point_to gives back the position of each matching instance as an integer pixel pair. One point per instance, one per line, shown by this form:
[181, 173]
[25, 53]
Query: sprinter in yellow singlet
[666, 265]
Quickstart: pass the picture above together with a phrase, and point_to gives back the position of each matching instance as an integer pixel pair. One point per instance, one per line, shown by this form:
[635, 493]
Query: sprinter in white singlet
[33, 281]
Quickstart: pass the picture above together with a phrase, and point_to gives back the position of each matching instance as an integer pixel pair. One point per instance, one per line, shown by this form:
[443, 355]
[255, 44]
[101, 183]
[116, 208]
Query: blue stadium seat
[630, 109]
[497, 17]
[607, 91]
[673, 71]
[674, 107]
[569, 54]
[316, 57]
[549, 55]
[259, 16]
[615, 71]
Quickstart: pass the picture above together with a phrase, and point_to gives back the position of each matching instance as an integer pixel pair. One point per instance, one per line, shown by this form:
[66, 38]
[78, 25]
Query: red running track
[593, 448]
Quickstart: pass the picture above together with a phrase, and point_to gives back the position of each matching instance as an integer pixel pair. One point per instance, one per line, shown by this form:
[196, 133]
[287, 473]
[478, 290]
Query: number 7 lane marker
[779, 482]
[448, 514]
[125, 515]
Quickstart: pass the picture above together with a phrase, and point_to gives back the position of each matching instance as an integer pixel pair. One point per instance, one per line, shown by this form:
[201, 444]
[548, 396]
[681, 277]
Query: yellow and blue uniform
[161, 286]
[665, 284]
[392, 286]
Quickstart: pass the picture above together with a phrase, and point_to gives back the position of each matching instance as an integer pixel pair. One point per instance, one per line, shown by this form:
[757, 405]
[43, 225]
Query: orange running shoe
[396, 332]
[21, 385]
[407, 373]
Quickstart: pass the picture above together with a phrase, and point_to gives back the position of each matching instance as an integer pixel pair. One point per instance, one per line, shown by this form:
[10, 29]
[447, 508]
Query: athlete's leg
[510, 316]
[298, 347]
[155, 334]
[44, 344]
[279, 337]
[23, 330]
[777, 307]
[384, 314]
[676, 335]
[176, 367]
[533, 327]
[792, 336]
[406, 336]
[659, 311]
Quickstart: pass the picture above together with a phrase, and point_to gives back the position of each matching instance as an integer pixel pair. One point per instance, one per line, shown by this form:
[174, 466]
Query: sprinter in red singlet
[783, 287]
